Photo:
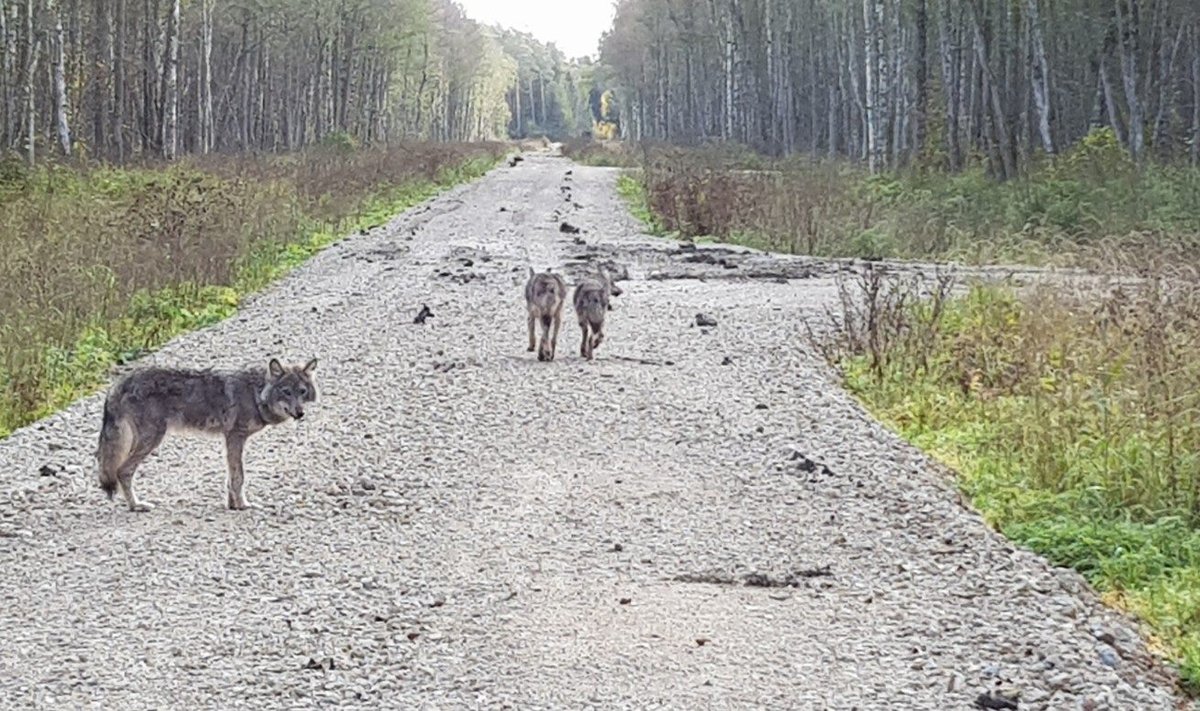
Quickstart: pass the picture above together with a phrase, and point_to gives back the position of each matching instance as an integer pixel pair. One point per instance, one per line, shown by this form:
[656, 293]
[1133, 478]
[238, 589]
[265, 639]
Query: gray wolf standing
[545, 295]
[149, 402]
[591, 304]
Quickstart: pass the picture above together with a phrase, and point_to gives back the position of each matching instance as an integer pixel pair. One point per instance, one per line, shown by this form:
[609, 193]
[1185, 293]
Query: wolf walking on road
[545, 295]
[591, 300]
[146, 404]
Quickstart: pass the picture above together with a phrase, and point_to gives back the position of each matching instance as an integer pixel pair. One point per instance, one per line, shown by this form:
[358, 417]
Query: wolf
[591, 301]
[545, 295]
[146, 404]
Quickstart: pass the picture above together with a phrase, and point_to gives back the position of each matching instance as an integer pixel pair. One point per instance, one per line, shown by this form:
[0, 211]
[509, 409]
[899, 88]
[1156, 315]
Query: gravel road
[698, 519]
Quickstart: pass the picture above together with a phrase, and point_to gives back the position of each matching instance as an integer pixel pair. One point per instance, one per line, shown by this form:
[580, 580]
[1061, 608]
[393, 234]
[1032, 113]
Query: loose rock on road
[700, 518]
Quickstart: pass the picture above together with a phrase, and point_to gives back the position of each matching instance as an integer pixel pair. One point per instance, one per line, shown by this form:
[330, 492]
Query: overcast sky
[574, 25]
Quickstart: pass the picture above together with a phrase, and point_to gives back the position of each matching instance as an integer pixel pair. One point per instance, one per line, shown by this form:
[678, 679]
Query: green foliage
[340, 141]
[633, 193]
[1074, 425]
[102, 266]
[873, 243]
[14, 174]
[553, 91]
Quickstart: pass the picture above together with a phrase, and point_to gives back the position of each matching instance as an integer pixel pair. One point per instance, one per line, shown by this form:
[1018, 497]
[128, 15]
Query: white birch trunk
[1040, 74]
[171, 84]
[61, 102]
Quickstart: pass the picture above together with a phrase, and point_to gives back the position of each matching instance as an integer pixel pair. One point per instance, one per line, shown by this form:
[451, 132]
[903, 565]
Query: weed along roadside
[1071, 419]
[104, 265]
[1070, 411]
[1092, 207]
[1070, 416]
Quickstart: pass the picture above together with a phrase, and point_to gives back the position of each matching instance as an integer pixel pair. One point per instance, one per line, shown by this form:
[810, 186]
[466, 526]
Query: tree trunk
[517, 110]
[727, 124]
[149, 69]
[993, 96]
[101, 58]
[874, 73]
[30, 98]
[1196, 94]
[1040, 73]
[921, 111]
[7, 74]
[170, 103]
[1128, 44]
[119, 82]
[1165, 91]
[61, 104]
[1110, 101]
[951, 61]
[206, 97]
[859, 128]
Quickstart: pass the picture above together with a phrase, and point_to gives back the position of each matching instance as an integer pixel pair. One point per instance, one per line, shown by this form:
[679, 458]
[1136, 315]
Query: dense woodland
[888, 82]
[550, 95]
[891, 81]
[116, 79]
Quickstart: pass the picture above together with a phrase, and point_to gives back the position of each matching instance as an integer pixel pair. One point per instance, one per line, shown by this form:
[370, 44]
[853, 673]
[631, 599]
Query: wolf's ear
[275, 368]
[310, 366]
[531, 272]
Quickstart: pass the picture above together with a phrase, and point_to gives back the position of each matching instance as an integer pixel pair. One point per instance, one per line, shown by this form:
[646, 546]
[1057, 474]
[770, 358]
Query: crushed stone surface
[700, 518]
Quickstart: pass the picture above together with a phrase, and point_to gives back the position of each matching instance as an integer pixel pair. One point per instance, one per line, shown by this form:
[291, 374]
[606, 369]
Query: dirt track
[457, 525]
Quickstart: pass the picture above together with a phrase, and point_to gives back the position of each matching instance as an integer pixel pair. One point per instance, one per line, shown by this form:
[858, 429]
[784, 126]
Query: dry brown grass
[607, 154]
[1083, 208]
[1071, 410]
[99, 264]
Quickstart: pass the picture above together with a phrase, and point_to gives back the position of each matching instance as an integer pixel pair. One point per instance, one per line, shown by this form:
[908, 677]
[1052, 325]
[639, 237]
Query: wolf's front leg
[235, 442]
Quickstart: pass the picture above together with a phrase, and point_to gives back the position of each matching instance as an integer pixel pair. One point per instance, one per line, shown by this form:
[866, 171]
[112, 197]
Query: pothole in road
[793, 579]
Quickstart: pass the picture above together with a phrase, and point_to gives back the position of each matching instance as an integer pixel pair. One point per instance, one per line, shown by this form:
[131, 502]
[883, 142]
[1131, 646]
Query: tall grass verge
[98, 266]
[1076, 210]
[1071, 414]
[603, 154]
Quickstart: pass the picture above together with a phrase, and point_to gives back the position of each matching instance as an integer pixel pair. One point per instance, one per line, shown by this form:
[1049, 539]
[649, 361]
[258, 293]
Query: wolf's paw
[141, 507]
[243, 506]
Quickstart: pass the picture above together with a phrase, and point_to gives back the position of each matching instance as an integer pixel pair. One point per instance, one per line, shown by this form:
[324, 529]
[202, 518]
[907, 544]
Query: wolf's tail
[111, 452]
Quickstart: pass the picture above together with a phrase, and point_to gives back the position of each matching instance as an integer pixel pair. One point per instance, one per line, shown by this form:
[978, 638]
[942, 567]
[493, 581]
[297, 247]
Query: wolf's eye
[303, 391]
[285, 391]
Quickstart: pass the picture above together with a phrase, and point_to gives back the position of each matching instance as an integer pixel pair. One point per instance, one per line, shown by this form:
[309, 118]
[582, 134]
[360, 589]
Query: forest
[893, 82]
[118, 79]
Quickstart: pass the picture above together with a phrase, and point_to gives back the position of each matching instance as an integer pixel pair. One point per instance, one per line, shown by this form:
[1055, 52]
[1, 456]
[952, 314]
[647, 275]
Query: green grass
[1075, 436]
[112, 295]
[633, 192]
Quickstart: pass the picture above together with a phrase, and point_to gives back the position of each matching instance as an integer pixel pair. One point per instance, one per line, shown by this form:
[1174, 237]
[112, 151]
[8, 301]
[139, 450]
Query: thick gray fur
[592, 295]
[149, 402]
[545, 295]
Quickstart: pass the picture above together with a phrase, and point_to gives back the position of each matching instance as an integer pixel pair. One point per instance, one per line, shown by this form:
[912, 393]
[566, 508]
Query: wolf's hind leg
[554, 333]
[146, 439]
